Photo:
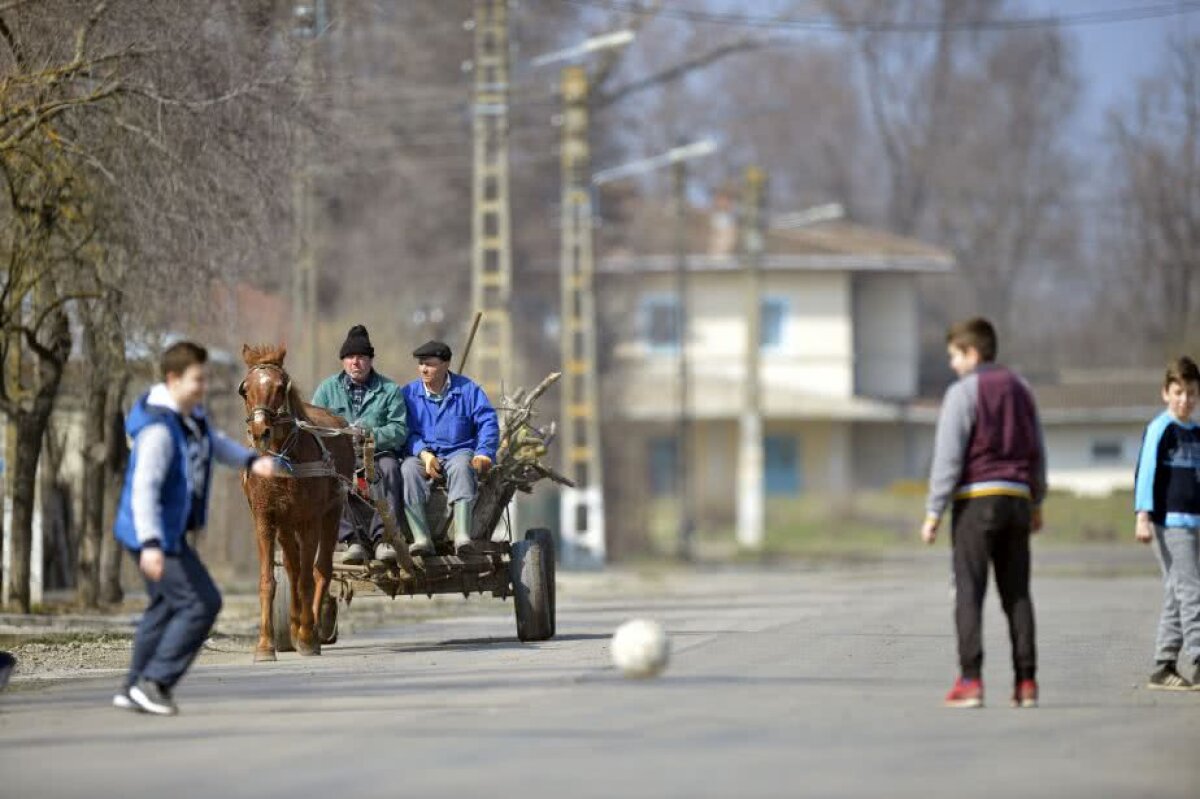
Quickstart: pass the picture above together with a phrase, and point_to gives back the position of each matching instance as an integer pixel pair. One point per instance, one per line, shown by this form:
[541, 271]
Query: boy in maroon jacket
[989, 461]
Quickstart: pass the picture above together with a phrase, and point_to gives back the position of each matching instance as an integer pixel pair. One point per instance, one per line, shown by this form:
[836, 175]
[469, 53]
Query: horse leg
[307, 642]
[291, 563]
[265, 533]
[323, 570]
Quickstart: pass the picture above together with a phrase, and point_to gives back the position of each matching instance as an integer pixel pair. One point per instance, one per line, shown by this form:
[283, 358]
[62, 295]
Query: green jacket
[383, 411]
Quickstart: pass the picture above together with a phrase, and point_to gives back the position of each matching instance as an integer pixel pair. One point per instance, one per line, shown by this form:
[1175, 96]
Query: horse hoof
[264, 655]
[308, 649]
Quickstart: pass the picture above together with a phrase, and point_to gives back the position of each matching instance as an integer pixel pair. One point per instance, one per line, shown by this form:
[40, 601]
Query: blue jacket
[162, 506]
[1167, 479]
[464, 420]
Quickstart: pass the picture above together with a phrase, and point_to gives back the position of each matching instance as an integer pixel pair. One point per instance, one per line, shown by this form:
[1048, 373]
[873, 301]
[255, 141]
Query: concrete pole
[750, 497]
[684, 428]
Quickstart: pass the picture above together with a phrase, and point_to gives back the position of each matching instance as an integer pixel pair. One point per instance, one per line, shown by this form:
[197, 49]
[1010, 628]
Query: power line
[1105, 17]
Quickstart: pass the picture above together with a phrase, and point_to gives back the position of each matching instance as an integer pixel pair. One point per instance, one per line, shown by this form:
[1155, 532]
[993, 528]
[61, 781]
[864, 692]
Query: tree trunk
[111, 552]
[30, 429]
[95, 411]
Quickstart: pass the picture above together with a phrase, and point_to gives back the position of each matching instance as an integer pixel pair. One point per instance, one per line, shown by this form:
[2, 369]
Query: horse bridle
[284, 410]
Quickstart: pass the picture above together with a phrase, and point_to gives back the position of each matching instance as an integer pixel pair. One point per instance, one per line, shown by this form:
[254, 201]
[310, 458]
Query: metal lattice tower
[491, 240]
[582, 507]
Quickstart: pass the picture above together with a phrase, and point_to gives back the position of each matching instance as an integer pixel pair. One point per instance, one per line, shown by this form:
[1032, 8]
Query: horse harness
[283, 413]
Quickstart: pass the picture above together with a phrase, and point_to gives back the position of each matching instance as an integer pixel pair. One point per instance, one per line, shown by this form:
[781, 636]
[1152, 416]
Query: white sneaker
[385, 551]
[356, 555]
[122, 700]
[152, 698]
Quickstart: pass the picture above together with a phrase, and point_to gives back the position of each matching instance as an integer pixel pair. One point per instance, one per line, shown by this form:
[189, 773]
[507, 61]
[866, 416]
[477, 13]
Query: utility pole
[581, 507]
[679, 204]
[752, 227]
[304, 269]
[491, 239]
[676, 159]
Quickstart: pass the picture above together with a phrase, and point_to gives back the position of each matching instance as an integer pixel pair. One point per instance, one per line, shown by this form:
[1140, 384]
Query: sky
[1114, 57]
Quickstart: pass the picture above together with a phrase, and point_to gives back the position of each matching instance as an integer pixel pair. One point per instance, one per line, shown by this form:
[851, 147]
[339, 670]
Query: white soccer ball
[640, 648]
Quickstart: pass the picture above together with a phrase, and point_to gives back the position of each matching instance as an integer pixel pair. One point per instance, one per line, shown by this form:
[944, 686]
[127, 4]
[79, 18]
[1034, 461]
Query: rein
[283, 414]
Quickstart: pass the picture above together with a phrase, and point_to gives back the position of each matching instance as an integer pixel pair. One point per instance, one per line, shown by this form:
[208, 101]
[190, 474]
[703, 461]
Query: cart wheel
[531, 594]
[281, 611]
[550, 557]
[329, 620]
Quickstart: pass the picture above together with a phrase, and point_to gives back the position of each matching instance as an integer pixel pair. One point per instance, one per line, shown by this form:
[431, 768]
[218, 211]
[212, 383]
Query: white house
[1093, 422]
[839, 350]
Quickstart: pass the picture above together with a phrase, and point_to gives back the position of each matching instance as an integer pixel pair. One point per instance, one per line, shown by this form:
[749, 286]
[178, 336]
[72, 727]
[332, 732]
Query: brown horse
[300, 511]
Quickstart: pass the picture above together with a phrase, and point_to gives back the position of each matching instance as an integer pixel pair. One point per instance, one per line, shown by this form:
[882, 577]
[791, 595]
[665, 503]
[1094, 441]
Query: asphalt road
[800, 682]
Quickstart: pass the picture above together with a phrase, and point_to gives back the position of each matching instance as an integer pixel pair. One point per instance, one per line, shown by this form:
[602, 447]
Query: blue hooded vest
[175, 499]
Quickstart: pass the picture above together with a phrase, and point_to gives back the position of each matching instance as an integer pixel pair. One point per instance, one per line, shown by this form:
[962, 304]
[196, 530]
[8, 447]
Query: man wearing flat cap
[453, 433]
[369, 401]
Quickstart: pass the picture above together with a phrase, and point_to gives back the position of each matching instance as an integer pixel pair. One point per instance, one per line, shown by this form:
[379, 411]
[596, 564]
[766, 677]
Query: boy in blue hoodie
[1167, 504]
[165, 497]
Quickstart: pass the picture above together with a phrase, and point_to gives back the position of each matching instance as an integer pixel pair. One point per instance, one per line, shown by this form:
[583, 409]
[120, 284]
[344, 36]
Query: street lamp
[604, 41]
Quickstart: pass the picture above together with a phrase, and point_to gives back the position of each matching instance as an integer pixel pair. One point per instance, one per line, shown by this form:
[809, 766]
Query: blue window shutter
[773, 316]
[781, 465]
[664, 465]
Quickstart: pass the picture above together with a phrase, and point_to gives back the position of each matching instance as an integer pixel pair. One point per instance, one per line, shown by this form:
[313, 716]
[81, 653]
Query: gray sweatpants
[1178, 551]
[460, 479]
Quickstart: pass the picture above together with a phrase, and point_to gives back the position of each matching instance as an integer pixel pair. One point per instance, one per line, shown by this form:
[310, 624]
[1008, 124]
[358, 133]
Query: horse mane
[264, 354]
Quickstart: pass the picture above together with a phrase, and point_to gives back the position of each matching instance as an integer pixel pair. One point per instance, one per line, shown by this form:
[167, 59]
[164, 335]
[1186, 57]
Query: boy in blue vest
[1167, 503]
[165, 497]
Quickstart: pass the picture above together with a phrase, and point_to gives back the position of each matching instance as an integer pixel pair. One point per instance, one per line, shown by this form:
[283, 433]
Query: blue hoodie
[159, 493]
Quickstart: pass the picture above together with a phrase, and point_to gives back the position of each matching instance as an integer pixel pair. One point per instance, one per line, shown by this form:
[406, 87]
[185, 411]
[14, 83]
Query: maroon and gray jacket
[988, 442]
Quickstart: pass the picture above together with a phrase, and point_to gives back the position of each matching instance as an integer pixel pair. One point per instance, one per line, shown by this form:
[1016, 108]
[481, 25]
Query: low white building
[1093, 422]
[839, 355]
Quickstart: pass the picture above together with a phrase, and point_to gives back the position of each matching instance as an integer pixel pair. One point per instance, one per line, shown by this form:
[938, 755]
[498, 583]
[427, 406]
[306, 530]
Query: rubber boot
[463, 545]
[422, 542]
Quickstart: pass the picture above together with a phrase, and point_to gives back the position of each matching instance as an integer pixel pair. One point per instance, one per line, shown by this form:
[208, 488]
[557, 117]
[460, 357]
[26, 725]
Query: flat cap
[432, 349]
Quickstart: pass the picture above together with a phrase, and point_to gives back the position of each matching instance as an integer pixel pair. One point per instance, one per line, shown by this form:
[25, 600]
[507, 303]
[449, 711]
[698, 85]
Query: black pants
[994, 529]
[360, 522]
[183, 606]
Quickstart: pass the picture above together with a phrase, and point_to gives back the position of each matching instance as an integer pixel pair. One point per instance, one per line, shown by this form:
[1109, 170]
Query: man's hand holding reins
[481, 464]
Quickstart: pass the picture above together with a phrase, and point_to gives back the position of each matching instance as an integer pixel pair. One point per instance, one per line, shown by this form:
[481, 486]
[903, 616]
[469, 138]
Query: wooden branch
[81, 37]
[680, 70]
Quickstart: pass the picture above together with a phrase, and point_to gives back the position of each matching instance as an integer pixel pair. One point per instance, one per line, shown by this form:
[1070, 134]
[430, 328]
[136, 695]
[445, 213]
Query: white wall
[1073, 466]
[886, 345]
[815, 354]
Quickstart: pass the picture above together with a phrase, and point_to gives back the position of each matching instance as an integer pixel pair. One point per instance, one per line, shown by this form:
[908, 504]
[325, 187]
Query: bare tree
[1156, 154]
[140, 145]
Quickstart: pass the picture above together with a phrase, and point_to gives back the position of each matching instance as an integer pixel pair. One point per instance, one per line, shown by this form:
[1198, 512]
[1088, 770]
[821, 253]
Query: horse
[301, 510]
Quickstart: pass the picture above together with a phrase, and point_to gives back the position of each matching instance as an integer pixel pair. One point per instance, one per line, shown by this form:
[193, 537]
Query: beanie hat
[357, 343]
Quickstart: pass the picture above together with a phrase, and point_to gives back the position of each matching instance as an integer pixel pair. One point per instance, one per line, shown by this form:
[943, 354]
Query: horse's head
[266, 391]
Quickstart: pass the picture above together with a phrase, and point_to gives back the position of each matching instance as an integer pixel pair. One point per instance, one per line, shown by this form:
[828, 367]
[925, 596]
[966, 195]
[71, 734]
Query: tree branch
[680, 70]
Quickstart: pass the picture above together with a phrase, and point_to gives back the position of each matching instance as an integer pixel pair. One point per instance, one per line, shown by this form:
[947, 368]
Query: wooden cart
[502, 565]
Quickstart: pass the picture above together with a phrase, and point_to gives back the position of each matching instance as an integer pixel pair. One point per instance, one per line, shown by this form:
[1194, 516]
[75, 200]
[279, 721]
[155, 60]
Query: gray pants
[361, 522]
[1178, 551]
[460, 480]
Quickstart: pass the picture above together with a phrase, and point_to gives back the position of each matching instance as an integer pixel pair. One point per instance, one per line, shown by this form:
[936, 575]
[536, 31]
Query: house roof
[1084, 395]
[646, 242]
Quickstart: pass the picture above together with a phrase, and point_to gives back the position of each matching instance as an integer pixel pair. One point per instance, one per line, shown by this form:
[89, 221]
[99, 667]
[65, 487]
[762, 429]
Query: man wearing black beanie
[368, 400]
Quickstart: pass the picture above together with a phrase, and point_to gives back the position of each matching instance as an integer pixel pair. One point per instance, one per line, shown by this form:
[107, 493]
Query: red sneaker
[1025, 694]
[965, 693]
